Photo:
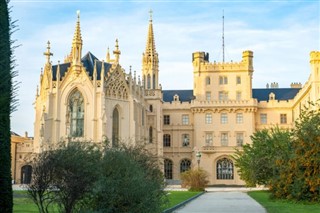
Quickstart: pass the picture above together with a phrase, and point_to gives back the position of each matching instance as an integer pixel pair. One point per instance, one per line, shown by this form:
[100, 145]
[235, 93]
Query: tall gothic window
[150, 134]
[224, 169]
[185, 165]
[148, 82]
[154, 81]
[168, 169]
[115, 127]
[76, 114]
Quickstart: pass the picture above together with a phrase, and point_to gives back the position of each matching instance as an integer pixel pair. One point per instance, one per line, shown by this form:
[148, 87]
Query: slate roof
[184, 95]
[280, 93]
[87, 61]
[259, 94]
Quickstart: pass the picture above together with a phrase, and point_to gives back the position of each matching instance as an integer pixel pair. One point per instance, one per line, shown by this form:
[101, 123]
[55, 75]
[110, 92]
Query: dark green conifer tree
[6, 106]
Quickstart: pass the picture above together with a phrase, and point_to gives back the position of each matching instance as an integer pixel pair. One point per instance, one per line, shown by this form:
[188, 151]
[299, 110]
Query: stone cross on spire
[48, 53]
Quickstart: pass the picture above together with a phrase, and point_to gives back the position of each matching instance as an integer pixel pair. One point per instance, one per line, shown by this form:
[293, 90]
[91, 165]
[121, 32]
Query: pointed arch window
[168, 169]
[225, 169]
[185, 165]
[76, 114]
[153, 81]
[115, 127]
[150, 134]
[148, 81]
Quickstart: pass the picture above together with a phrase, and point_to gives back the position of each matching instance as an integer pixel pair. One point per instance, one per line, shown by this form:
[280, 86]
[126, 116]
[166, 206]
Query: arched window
[26, 172]
[224, 169]
[150, 134]
[151, 108]
[148, 82]
[153, 81]
[76, 114]
[168, 169]
[166, 140]
[115, 127]
[185, 165]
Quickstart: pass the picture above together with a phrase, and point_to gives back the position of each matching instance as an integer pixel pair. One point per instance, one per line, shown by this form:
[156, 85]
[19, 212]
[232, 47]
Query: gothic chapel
[88, 99]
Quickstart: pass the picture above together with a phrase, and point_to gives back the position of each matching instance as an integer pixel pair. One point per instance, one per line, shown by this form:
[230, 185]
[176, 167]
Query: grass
[23, 204]
[176, 197]
[283, 206]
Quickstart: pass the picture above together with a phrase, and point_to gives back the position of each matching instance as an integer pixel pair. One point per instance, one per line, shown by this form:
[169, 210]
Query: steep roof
[184, 95]
[88, 62]
[280, 93]
[259, 94]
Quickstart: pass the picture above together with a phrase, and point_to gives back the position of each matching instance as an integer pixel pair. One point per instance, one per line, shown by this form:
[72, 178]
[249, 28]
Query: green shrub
[195, 179]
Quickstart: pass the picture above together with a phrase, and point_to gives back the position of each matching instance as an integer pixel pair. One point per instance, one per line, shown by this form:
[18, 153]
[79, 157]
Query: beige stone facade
[88, 99]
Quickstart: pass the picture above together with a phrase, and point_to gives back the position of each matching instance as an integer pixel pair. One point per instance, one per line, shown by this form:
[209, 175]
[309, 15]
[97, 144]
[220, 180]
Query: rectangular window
[223, 96]
[223, 80]
[238, 98]
[224, 139]
[239, 118]
[185, 140]
[208, 118]
[239, 138]
[283, 118]
[185, 119]
[263, 118]
[208, 96]
[209, 139]
[224, 118]
[166, 119]
[238, 80]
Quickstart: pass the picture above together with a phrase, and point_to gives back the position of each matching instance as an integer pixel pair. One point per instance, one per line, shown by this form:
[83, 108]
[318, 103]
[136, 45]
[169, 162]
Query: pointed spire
[77, 41]
[150, 47]
[95, 70]
[108, 55]
[116, 52]
[58, 72]
[48, 53]
[102, 71]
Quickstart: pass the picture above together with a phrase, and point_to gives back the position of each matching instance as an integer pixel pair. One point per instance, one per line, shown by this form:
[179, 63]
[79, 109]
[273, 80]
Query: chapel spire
[150, 61]
[150, 47]
[77, 42]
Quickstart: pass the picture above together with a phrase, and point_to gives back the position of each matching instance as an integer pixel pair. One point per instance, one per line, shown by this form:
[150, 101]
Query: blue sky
[280, 33]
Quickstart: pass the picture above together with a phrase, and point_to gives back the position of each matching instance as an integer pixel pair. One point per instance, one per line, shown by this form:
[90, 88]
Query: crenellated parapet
[315, 57]
[201, 59]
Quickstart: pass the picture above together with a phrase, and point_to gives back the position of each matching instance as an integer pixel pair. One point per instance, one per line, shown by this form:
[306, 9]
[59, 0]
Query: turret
[247, 58]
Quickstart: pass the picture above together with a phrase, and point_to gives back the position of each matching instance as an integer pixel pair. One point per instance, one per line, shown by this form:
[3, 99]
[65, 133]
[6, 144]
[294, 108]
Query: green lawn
[282, 206]
[176, 197]
[23, 204]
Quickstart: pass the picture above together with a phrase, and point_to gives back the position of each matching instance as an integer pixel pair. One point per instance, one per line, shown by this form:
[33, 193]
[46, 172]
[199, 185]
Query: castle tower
[150, 61]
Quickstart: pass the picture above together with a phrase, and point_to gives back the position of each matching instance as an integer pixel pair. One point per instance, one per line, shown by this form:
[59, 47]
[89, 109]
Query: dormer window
[176, 97]
[272, 96]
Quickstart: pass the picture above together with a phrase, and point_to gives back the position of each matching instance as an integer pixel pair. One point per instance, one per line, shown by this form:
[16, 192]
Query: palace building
[85, 98]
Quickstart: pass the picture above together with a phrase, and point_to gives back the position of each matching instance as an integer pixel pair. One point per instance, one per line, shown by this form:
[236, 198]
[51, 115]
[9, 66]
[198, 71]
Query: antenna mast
[223, 36]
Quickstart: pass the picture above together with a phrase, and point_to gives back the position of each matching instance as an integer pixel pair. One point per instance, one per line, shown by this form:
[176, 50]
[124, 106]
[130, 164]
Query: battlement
[314, 57]
[202, 58]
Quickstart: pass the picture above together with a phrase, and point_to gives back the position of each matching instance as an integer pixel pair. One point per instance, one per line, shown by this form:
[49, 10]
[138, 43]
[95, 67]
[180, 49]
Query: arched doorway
[115, 127]
[26, 172]
[168, 169]
[224, 169]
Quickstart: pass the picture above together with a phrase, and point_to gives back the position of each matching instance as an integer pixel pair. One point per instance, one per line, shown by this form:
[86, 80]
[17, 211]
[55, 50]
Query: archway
[115, 127]
[26, 172]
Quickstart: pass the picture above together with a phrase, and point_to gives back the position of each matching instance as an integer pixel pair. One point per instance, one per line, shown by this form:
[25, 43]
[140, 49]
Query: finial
[130, 69]
[117, 44]
[78, 14]
[150, 12]
[48, 53]
[117, 52]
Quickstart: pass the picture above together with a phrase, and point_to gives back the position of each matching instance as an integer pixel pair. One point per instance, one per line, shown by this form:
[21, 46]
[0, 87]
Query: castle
[87, 99]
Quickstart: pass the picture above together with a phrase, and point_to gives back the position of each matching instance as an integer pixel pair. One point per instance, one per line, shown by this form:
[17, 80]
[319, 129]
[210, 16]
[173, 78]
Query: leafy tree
[7, 105]
[257, 161]
[300, 178]
[130, 181]
[65, 176]
[195, 179]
